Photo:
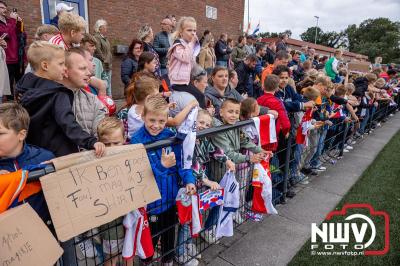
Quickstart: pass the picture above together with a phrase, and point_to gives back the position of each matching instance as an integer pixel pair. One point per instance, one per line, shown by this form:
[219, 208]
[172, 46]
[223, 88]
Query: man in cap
[60, 8]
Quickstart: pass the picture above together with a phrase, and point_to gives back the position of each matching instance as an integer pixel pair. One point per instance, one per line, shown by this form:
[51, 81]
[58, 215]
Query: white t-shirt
[134, 120]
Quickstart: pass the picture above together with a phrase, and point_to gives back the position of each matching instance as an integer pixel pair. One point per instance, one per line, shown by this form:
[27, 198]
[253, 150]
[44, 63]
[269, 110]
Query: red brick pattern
[125, 18]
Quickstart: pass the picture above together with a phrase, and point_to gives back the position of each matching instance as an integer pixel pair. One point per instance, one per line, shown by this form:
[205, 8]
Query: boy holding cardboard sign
[15, 154]
[168, 171]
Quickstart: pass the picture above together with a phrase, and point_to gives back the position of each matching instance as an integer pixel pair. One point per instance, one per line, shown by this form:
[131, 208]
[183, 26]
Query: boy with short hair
[49, 104]
[15, 154]
[233, 140]
[89, 44]
[167, 167]
[332, 66]
[72, 27]
[111, 132]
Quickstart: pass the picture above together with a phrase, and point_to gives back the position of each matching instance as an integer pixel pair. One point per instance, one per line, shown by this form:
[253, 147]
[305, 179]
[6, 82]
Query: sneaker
[184, 260]
[209, 235]
[253, 216]
[304, 181]
[346, 150]
[379, 125]
[192, 251]
[349, 147]
[87, 249]
[320, 169]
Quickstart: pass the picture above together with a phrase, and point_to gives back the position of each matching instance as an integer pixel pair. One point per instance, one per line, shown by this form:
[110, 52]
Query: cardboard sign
[86, 195]
[359, 67]
[25, 239]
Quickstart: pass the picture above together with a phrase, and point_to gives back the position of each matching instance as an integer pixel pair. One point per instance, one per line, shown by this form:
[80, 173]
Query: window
[49, 8]
[211, 12]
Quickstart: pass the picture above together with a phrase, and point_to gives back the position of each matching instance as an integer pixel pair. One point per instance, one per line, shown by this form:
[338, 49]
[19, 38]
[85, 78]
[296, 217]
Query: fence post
[287, 165]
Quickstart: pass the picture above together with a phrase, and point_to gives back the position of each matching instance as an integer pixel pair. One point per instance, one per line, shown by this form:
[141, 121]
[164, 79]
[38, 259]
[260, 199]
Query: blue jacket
[168, 179]
[30, 155]
[291, 99]
[129, 66]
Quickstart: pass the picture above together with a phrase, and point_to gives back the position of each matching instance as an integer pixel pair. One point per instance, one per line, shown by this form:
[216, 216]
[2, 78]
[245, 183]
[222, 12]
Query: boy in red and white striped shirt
[72, 27]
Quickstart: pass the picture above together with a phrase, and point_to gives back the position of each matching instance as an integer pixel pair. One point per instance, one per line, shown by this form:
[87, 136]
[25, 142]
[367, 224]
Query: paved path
[278, 238]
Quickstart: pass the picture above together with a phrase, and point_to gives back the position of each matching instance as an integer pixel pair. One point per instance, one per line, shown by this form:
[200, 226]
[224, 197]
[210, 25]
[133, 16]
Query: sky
[334, 15]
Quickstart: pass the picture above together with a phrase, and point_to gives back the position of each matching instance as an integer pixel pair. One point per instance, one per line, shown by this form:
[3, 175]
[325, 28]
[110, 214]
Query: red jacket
[273, 103]
[12, 28]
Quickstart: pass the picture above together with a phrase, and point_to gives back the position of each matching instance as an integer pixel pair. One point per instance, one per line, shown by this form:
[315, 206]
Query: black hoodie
[53, 125]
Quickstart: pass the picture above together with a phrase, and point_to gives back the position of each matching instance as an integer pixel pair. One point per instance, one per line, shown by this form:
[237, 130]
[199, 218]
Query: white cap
[63, 7]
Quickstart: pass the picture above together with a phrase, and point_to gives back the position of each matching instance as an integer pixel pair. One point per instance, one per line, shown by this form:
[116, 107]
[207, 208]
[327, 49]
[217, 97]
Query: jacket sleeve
[100, 113]
[241, 87]
[234, 56]
[284, 119]
[127, 69]
[183, 54]
[65, 118]
[99, 53]
[162, 51]
[202, 58]
[218, 48]
[221, 141]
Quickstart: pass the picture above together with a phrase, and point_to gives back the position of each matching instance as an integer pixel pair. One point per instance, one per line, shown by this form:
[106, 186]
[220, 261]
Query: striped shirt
[59, 40]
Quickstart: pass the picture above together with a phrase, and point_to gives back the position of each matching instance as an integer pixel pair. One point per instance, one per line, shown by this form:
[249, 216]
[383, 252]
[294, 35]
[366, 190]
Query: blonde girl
[181, 56]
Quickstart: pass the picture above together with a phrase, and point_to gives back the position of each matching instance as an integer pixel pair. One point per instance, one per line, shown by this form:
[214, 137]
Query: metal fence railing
[103, 245]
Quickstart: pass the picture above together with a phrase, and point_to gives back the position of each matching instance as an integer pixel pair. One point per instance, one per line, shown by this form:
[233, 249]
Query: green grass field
[379, 186]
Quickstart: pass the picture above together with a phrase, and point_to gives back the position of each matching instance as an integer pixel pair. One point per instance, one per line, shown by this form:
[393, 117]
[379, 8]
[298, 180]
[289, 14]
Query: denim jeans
[364, 123]
[222, 63]
[183, 236]
[315, 162]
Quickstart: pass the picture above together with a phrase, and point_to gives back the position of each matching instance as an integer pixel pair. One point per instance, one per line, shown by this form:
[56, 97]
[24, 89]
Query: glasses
[137, 48]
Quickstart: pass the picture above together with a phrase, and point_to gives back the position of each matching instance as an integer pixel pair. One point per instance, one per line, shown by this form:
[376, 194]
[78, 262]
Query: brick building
[126, 16]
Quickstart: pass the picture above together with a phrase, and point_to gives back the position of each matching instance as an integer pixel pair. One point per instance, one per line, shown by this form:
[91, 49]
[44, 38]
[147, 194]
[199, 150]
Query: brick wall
[126, 16]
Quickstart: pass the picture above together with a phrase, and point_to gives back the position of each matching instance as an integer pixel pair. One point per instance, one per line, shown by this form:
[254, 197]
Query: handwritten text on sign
[90, 194]
[25, 239]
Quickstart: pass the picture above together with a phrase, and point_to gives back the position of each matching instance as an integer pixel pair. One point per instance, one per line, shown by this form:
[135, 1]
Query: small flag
[257, 29]
[210, 198]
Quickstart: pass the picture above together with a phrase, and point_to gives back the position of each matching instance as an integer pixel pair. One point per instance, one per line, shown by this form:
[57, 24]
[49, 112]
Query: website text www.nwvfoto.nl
[337, 253]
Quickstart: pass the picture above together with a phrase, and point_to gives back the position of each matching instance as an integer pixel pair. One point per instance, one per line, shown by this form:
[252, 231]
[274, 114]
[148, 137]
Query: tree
[274, 34]
[331, 38]
[375, 37]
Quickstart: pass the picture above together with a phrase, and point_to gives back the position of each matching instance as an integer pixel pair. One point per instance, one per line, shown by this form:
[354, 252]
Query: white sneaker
[186, 260]
[349, 147]
[321, 168]
[209, 235]
[192, 251]
[346, 150]
[305, 181]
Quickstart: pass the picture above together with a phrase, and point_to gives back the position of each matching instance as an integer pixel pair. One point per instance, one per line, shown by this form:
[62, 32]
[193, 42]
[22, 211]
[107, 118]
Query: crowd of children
[319, 117]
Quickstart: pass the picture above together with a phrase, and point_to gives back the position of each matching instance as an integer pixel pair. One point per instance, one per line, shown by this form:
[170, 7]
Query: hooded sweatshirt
[53, 125]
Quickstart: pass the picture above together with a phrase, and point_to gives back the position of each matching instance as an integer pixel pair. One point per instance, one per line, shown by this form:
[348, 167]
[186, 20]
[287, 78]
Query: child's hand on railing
[274, 113]
[230, 165]
[168, 160]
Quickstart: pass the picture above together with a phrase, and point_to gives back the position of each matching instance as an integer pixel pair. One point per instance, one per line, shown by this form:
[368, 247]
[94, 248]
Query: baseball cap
[63, 7]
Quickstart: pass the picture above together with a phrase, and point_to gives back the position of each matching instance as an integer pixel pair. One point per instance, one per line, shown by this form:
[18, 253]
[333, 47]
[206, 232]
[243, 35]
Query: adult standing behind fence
[146, 35]
[239, 52]
[162, 42]
[129, 65]
[10, 28]
[103, 51]
[207, 58]
[281, 43]
[222, 51]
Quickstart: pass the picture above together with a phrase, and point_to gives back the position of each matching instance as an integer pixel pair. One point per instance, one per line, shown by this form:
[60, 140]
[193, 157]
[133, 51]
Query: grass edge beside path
[379, 185]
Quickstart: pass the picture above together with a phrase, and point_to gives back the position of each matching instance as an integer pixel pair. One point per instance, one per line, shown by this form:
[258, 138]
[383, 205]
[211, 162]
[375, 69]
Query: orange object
[11, 185]
[267, 71]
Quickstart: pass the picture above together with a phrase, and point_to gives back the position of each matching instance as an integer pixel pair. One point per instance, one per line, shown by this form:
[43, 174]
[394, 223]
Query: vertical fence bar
[287, 165]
